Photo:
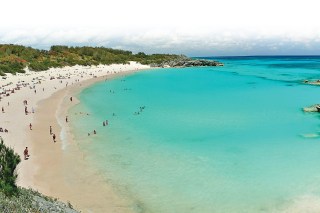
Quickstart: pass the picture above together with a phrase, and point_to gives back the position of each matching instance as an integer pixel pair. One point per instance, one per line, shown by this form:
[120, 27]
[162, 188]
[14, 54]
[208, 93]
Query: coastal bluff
[16, 58]
[184, 61]
[29, 200]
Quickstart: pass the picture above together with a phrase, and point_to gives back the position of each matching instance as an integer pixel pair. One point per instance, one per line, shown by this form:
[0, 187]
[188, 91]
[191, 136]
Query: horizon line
[222, 56]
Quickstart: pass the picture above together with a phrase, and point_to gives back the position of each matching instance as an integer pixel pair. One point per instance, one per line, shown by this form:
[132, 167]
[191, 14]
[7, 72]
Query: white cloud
[216, 27]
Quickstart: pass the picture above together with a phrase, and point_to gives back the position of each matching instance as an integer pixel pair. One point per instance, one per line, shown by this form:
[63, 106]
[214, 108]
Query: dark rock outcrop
[313, 108]
[184, 61]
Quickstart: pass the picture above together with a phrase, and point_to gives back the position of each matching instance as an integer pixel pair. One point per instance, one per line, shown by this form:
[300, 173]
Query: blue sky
[195, 28]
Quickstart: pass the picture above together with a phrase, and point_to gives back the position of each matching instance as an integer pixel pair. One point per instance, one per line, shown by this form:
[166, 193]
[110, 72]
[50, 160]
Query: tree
[14, 58]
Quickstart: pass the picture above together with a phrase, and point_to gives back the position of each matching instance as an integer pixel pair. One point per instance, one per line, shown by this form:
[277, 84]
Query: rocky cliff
[184, 61]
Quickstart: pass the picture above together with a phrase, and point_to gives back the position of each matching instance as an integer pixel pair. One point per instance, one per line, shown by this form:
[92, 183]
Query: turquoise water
[211, 139]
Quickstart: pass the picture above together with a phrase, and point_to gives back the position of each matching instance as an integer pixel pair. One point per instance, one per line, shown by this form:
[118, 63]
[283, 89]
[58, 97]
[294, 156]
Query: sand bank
[57, 168]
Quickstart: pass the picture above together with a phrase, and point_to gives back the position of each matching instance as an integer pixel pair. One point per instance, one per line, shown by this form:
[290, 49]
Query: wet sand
[59, 169]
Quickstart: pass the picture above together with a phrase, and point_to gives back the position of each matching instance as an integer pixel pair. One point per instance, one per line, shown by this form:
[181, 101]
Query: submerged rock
[310, 135]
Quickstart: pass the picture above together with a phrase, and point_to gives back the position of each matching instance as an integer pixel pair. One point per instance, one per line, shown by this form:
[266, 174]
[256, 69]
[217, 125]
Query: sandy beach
[57, 169]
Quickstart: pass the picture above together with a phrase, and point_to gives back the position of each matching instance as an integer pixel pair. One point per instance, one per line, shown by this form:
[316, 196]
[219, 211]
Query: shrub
[8, 164]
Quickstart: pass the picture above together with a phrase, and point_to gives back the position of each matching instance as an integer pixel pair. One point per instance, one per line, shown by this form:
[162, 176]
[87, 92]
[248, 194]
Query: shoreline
[59, 170]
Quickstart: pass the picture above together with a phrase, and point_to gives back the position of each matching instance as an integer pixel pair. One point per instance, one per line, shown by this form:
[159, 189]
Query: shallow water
[213, 139]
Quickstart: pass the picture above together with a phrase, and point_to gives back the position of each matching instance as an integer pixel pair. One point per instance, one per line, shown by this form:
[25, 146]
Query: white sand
[45, 170]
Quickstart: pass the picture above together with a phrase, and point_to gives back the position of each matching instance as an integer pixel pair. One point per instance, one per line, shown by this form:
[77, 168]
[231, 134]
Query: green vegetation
[29, 200]
[14, 58]
[17, 199]
[8, 164]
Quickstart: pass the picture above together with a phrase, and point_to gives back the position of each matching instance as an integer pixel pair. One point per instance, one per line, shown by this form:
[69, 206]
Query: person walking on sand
[30, 126]
[54, 137]
[66, 119]
[50, 130]
[26, 153]
[2, 110]
[71, 99]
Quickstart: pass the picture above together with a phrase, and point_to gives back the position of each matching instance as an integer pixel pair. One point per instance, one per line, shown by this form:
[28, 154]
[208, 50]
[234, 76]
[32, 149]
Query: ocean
[208, 139]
